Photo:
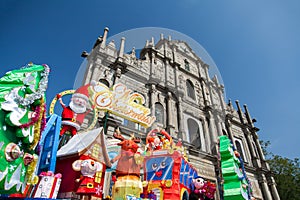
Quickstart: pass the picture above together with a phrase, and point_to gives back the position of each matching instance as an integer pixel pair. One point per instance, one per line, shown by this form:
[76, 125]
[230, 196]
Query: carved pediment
[185, 49]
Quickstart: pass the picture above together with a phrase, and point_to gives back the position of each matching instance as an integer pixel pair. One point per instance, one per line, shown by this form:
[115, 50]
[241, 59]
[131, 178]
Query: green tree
[286, 173]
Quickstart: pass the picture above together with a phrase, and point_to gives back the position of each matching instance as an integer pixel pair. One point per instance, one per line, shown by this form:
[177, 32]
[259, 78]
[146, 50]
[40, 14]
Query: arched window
[159, 113]
[190, 89]
[194, 133]
[240, 148]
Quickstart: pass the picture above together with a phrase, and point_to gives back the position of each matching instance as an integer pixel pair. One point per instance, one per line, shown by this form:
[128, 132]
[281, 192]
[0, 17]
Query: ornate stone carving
[180, 81]
[216, 100]
[158, 69]
[199, 94]
[171, 79]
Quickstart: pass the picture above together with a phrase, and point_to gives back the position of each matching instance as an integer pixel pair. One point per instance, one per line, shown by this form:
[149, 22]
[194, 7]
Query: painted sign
[122, 102]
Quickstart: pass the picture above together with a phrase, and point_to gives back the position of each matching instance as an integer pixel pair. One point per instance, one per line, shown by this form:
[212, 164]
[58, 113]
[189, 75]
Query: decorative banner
[22, 119]
[122, 102]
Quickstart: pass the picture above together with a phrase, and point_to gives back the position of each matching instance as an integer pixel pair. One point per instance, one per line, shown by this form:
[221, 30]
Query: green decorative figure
[235, 181]
[22, 119]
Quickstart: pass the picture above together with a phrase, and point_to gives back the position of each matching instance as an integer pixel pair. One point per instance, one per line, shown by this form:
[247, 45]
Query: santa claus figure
[74, 114]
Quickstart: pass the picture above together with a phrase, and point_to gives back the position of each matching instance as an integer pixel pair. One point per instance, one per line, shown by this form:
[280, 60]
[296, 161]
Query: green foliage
[287, 176]
[286, 173]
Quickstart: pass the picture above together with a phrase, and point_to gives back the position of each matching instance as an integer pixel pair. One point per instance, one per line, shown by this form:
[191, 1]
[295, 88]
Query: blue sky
[255, 44]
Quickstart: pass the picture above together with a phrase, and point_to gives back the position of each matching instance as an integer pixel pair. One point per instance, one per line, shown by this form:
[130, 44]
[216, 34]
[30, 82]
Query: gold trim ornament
[54, 100]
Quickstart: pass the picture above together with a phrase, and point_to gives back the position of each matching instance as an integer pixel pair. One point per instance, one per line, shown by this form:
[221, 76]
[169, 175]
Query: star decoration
[23, 172]
[99, 190]
[20, 143]
[12, 168]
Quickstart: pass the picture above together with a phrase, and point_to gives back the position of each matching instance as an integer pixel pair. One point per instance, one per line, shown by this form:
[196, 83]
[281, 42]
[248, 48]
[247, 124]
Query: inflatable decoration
[128, 168]
[75, 112]
[203, 190]
[88, 168]
[167, 171]
[236, 186]
[22, 119]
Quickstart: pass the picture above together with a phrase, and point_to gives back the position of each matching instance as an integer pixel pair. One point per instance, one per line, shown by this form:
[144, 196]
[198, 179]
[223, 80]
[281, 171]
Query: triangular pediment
[184, 49]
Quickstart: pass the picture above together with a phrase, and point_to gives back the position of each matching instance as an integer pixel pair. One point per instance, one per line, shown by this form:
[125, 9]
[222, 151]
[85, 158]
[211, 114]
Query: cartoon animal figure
[127, 159]
[88, 169]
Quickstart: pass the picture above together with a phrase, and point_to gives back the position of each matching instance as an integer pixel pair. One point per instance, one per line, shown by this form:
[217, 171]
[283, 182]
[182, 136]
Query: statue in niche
[158, 69]
[215, 97]
[206, 93]
[181, 81]
[171, 75]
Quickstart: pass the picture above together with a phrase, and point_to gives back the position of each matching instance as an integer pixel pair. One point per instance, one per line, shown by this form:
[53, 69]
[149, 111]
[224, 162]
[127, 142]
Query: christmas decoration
[128, 168]
[74, 114]
[22, 119]
[48, 185]
[236, 186]
[88, 168]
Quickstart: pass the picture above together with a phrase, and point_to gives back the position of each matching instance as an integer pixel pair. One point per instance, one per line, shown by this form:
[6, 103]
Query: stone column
[152, 99]
[117, 75]
[207, 136]
[122, 45]
[265, 188]
[274, 189]
[219, 126]
[169, 111]
[180, 119]
[260, 151]
[95, 74]
[103, 44]
[89, 74]
[170, 122]
[251, 148]
[229, 130]
[212, 132]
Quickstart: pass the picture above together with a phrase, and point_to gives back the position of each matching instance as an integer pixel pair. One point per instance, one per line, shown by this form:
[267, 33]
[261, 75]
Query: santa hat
[83, 92]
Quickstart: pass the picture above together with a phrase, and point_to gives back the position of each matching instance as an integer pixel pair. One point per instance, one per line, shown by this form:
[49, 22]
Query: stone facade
[187, 103]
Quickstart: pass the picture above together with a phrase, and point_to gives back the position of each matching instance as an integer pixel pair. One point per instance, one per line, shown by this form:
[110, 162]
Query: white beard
[77, 108]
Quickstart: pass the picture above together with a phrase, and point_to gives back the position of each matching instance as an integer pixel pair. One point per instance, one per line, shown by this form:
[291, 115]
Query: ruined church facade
[186, 101]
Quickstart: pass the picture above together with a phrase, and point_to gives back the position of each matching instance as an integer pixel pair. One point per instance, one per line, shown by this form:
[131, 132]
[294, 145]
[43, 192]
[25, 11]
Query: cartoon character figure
[203, 190]
[199, 184]
[74, 114]
[158, 139]
[154, 143]
[88, 169]
[198, 192]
